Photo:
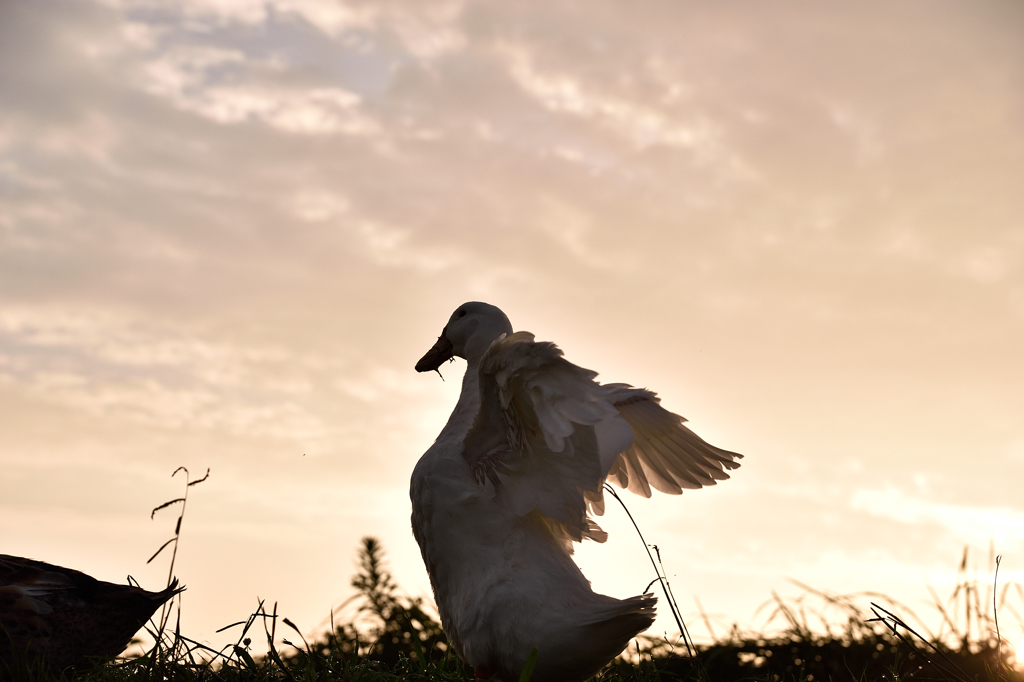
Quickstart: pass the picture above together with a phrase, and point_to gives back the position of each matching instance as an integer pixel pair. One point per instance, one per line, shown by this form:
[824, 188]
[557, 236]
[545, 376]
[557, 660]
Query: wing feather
[548, 436]
[674, 457]
[546, 433]
[686, 474]
[636, 481]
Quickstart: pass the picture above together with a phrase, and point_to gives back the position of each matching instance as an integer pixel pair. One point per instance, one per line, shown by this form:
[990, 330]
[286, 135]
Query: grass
[392, 637]
[818, 637]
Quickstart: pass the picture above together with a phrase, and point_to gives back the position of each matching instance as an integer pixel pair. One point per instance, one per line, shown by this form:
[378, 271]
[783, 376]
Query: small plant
[388, 628]
[969, 641]
[169, 647]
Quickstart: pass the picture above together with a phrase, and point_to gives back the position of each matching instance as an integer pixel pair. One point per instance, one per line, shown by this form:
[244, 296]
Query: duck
[515, 478]
[64, 618]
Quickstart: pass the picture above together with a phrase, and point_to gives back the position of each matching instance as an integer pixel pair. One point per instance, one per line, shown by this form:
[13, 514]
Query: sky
[228, 230]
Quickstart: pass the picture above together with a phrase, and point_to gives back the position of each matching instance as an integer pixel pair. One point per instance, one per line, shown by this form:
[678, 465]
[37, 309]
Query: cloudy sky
[229, 228]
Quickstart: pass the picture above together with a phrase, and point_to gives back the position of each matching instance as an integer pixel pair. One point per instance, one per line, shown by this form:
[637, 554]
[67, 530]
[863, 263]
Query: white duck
[501, 495]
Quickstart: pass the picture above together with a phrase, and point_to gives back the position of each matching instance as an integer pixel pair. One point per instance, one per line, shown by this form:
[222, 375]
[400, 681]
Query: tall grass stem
[662, 578]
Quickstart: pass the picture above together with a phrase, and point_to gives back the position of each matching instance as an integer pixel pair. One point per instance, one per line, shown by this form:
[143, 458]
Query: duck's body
[65, 618]
[503, 492]
[504, 582]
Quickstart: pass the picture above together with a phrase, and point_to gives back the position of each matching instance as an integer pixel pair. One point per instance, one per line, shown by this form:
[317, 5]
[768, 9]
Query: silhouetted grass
[392, 637]
[819, 637]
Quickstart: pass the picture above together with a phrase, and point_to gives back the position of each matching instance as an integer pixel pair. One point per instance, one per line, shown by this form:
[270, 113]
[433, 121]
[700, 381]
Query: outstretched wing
[665, 454]
[548, 435]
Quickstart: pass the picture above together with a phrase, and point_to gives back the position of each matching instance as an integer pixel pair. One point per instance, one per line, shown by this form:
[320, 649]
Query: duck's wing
[545, 434]
[665, 454]
[548, 435]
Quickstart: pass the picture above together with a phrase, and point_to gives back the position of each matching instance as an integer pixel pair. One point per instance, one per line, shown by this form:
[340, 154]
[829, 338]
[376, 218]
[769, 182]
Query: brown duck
[65, 618]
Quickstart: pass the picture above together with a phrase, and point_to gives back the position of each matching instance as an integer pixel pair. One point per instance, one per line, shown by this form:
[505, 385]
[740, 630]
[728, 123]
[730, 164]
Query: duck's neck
[466, 409]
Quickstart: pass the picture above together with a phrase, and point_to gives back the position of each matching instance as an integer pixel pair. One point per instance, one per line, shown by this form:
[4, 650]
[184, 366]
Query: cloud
[968, 523]
[185, 75]
[639, 125]
[115, 367]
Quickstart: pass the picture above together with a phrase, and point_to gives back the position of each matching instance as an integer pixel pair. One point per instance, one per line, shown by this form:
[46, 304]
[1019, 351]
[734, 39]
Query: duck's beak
[441, 351]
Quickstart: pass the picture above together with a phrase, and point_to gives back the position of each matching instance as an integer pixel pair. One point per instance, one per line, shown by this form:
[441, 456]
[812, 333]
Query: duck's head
[469, 333]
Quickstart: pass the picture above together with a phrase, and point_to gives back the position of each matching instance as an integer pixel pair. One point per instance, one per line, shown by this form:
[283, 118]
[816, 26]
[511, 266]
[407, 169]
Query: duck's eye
[462, 313]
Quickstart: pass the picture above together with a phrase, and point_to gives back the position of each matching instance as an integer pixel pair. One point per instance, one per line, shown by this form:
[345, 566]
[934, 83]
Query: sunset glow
[229, 229]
